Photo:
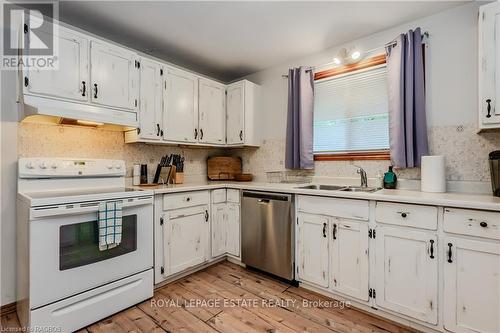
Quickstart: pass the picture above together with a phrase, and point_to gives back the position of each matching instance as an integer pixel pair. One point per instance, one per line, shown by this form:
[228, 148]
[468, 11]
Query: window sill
[354, 156]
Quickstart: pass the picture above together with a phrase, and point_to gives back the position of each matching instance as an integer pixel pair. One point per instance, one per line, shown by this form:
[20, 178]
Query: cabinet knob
[488, 108]
[483, 224]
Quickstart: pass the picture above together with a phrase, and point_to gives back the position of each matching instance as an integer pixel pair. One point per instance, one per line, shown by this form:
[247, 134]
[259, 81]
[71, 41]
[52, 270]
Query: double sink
[339, 188]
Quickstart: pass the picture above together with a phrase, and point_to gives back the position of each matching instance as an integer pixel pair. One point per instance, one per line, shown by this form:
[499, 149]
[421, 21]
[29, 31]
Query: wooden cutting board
[223, 168]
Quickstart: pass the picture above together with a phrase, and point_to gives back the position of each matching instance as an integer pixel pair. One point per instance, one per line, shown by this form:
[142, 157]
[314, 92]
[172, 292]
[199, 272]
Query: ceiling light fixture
[345, 56]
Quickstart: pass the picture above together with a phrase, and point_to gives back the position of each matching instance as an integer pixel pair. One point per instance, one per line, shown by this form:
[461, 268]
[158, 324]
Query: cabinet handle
[206, 215]
[84, 88]
[195, 133]
[324, 230]
[161, 133]
[95, 90]
[241, 135]
[450, 253]
[157, 129]
[201, 133]
[483, 224]
[488, 108]
[432, 248]
[334, 233]
[404, 214]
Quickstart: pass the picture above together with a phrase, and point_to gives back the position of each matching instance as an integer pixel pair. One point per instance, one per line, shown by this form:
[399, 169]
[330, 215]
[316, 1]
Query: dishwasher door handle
[264, 201]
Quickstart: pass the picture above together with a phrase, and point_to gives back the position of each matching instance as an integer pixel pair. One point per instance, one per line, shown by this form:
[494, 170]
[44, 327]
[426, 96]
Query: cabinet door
[472, 286]
[489, 73]
[235, 113]
[114, 76]
[212, 112]
[233, 229]
[150, 106]
[70, 80]
[349, 258]
[312, 249]
[218, 229]
[406, 272]
[187, 237]
[181, 114]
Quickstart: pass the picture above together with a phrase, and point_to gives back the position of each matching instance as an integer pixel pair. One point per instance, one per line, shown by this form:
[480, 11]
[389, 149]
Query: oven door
[64, 253]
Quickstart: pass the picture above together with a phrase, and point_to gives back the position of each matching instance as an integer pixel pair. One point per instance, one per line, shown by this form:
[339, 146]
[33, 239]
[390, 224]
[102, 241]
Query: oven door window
[79, 243]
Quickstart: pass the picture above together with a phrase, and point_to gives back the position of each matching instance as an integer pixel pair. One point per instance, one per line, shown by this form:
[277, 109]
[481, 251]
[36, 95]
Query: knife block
[179, 178]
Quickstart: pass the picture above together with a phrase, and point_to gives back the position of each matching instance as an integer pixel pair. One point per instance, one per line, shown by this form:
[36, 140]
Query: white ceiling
[227, 40]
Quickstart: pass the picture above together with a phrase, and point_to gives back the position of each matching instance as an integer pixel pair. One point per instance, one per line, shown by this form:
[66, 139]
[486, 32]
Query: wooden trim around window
[365, 63]
[354, 156]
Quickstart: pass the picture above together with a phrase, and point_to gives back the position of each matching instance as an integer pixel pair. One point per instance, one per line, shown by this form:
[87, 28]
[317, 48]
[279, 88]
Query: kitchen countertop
[451, 199]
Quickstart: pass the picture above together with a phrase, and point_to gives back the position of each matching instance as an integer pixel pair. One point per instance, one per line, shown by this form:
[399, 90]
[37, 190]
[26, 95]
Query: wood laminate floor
[230, 299]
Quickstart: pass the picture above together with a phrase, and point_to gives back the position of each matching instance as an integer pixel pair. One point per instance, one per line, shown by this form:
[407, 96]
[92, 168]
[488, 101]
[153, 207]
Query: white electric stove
[64, 281]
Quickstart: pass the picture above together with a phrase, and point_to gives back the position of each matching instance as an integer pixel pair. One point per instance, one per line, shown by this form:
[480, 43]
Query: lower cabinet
[472, 286]
[312, 249]
[225, 226]
[185, 237]
[407, 272]
[349, 259]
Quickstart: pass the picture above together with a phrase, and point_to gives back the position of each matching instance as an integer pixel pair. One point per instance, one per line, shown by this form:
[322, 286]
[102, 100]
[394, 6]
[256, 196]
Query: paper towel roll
[433, 174]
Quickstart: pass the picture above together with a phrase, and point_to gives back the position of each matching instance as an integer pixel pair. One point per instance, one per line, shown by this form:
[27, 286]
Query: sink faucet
[362, 173]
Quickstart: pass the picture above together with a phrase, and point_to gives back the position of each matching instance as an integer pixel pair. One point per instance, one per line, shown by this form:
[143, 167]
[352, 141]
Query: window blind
[351, 112]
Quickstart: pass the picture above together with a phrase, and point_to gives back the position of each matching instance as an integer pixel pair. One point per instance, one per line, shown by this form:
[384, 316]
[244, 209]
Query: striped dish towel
[110, 224]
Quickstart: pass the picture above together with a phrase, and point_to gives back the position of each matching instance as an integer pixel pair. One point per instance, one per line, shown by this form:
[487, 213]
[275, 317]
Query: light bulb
[355, 55]
[336, 61]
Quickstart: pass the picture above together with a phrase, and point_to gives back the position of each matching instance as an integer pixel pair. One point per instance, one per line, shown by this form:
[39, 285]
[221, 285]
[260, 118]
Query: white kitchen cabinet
[471, 286]
[114, 76]
[70, 80]
[235, 113]
[151, 100]
[242, 110]
[489, 66]
[181, 112]
[225, 224]
[233, 229]
[186, 233]
[407, 272]
[218, 229]
[312, 249]
[349, 260]
[212, 112]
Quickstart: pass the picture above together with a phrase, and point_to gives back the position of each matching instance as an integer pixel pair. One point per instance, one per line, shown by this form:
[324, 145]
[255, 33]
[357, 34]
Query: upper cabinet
[212, 112]
[151, 100]
[181, 112]
[70, 80]
[242, 113]
[489, 66]
[114, 76]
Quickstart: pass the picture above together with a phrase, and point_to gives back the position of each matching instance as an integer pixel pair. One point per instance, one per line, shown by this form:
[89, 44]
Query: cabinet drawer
[185, 199]
[417, 216]
[233, 196]
[468, 222]
[219, 196]
[347, 208]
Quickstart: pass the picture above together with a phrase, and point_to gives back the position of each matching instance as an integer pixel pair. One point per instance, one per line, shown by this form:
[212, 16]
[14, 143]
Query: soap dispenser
[390, 179]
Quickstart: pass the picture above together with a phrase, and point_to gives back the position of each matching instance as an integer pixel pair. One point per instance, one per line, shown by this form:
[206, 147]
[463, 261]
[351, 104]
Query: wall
[451, 79]
[45, 140]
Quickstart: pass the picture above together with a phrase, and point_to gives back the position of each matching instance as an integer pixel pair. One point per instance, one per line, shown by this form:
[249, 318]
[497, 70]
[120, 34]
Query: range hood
[85, 114]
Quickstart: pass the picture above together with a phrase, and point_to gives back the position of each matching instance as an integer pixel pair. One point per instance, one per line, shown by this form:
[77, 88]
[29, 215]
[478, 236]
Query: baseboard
[8, 309]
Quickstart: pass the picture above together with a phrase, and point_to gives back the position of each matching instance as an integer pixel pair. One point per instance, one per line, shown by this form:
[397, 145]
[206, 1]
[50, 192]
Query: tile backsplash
[466, 155]
[45, 140]
[466, 152]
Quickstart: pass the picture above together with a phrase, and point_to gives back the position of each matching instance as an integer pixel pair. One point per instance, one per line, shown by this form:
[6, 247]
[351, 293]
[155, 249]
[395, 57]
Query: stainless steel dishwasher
[267, 232]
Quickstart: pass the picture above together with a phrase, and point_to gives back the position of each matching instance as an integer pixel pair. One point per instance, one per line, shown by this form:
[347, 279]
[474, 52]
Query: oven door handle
[84, 208]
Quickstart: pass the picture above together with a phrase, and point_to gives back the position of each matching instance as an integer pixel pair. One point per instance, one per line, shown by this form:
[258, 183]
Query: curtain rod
[391, 43]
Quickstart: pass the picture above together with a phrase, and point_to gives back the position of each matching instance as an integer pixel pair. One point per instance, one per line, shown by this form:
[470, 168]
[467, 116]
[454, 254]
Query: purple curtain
[407, 120]
[299, 129]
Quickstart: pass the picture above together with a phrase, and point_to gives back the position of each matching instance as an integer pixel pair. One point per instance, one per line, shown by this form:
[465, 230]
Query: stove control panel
[68, 168]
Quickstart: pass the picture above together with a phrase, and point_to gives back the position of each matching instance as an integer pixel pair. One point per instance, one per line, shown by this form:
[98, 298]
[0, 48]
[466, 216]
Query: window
[351, 118]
